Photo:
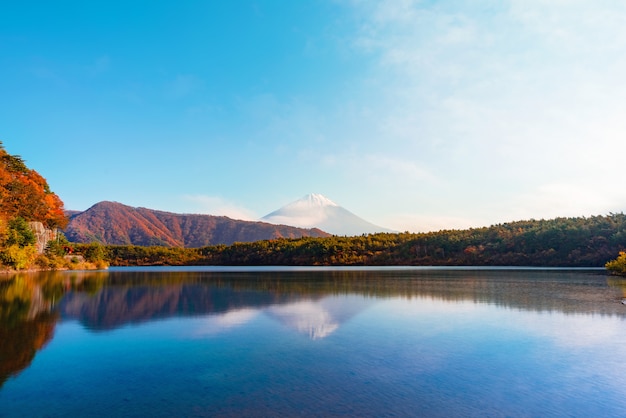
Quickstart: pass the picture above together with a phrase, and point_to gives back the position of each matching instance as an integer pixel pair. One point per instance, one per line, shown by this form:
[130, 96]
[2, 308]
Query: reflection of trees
[27, 315]
[20, 343]
[115, 306]
[583, 292]
[618, 283]
[139, 296]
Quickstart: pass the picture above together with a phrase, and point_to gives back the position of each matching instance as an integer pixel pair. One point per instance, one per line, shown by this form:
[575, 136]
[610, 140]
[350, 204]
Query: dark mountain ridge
[117, 224]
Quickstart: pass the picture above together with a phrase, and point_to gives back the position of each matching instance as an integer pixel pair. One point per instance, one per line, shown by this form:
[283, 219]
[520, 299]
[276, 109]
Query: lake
[369, 342]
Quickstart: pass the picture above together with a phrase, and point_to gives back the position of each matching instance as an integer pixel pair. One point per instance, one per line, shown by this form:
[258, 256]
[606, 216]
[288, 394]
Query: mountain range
[318, 211]
[117, 224]
[114, 223]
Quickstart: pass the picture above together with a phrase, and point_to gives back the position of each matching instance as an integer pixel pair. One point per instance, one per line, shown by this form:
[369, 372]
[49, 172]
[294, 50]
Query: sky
[414, 115]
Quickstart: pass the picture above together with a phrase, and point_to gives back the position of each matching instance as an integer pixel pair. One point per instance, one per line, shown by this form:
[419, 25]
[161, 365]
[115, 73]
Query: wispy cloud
[183, 85]
[554, 200]
[44, 72]
[415, 222]
[101, 65]
[512, 102]
[373, 167]
[217, 206]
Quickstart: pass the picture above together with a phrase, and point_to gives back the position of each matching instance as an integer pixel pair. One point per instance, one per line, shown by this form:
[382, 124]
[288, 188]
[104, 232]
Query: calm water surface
[313, 342]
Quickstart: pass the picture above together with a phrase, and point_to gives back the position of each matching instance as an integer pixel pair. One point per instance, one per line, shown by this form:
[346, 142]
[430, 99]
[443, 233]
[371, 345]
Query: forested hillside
[564, 242]
[115, 223]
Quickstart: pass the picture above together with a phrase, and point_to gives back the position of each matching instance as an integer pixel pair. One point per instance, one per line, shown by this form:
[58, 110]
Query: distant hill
[317, 211]
[117, 224]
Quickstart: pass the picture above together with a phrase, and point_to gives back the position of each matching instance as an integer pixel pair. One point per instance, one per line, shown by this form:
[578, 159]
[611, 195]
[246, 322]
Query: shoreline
[5, 272]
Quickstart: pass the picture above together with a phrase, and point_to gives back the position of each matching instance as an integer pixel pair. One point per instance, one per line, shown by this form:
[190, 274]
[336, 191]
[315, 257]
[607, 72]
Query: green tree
[56, 248]
[94, 252]
[19, 233]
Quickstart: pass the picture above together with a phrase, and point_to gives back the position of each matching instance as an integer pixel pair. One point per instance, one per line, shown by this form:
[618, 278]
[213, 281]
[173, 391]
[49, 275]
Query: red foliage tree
[25, 193]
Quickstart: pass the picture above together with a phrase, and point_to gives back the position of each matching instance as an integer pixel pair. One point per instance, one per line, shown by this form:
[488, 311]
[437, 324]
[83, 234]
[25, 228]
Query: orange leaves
[25, 193]
[55, 214]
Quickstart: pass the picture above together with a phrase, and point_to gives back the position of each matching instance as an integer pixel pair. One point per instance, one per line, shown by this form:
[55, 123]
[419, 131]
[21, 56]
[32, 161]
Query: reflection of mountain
[318, 318]
[115, 306]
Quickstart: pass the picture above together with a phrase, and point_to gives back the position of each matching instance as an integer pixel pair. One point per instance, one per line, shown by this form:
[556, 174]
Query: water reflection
[318, 318]
[20, 342]
[306, 302]
[226, 321]
[28, 314]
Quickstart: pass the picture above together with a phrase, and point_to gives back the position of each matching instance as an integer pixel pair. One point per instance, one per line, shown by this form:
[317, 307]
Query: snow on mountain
[315, 210]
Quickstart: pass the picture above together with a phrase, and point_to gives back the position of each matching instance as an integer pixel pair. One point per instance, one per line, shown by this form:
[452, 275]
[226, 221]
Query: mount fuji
[315, 210]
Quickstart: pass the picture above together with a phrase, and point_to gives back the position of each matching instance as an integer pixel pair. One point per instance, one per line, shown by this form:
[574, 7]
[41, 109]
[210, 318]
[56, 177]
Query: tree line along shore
[562, 242]
[31, 216]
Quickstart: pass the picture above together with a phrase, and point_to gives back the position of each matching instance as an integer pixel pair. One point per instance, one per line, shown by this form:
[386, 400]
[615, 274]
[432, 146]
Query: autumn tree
[25, 193]
[24, 197]
[618, 266]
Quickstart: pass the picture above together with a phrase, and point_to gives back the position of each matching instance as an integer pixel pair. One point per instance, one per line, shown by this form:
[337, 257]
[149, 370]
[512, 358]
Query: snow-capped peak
[313, 200]
[317, 211]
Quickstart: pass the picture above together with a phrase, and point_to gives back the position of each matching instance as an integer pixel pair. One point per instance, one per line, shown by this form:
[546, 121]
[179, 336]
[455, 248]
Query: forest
[561, 242]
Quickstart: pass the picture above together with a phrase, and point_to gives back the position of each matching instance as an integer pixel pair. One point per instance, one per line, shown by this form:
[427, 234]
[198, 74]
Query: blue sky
[415, 115]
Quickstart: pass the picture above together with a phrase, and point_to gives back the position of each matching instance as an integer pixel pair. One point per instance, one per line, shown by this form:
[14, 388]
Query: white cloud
[554, 200]
[217, 206]
[371, 167]
[516, 107]
[429, 222]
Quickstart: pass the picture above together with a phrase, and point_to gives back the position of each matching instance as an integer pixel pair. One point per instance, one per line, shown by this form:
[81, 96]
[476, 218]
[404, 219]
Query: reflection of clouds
[215, 324]
[307, 317]
[423, 305]
[574, 330]
[586, 347]
[566, 330]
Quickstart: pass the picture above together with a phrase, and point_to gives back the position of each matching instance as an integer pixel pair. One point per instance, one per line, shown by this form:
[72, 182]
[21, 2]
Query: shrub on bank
[618, 266]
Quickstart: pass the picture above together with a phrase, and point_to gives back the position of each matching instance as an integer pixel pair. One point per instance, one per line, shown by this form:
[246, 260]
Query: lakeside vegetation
[562, 242]
[26, 199]
[617, 266]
